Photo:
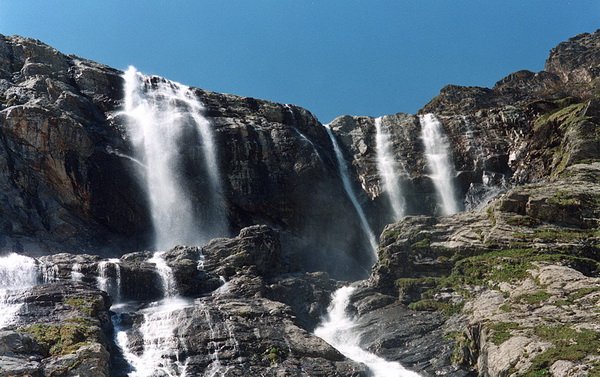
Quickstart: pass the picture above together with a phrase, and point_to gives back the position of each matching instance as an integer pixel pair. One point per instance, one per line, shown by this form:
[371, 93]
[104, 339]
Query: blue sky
[370, 57]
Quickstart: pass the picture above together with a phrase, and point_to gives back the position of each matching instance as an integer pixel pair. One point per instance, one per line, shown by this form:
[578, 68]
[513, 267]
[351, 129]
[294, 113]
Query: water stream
[338, 329]
[162, 118]
[389, 170]
[439, 163]
[345, 175]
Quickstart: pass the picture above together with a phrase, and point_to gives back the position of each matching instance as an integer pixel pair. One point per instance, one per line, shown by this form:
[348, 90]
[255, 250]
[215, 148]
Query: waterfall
[338, 329]
[161, 345]
[17, 273]
[104, 282]
[169, 287]
[439, 163]
[76, 274]
[345, 175]
[388, 170]
[162, 117]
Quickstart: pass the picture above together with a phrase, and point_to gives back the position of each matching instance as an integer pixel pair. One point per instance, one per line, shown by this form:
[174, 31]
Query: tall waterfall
[387, 167]
[438, 160]
[338, 330]
[17, 273]
[164, 116]
[345, 174]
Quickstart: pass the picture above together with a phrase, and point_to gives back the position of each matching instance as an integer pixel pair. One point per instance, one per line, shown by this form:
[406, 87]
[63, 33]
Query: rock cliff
[509, 286]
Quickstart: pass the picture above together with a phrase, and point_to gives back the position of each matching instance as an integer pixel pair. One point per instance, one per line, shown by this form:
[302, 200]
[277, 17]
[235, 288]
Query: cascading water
[76, 274]
[338, 329]
[162, 116]
[17, 273]
[388, 170]
[161, 351]
[112, 287]
[438, 160]
[345, 175]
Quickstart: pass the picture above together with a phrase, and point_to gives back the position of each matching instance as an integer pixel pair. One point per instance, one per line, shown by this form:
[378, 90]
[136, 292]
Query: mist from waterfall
[338, 329]
[389, 170]
[345, 175]
[162, 117]
[439, 162]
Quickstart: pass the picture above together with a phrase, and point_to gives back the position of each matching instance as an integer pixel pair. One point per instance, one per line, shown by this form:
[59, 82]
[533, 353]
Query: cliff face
[473, 293]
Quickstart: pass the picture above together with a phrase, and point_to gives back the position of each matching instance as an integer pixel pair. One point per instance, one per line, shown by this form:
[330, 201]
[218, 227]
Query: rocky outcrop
[62, 330]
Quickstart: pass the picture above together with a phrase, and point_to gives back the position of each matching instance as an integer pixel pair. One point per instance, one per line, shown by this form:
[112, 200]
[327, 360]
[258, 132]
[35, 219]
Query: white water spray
[345, 175]
[388, 169]
[161, 344]
[104, 281]
[438, 160]
[17, 273]
[162, 116]
[338, 330]
[76, 274]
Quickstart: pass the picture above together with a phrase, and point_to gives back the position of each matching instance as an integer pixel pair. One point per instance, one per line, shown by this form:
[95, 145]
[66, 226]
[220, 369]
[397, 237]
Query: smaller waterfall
[17, 273]
[338, 329]
[345, 175]
[439, 163]
[166, 274]
[388, 170]
[161, 345]
[76, 274]
[104, 281]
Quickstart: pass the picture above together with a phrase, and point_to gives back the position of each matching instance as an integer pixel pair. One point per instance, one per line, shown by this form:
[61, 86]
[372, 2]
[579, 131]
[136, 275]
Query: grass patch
[533, 298]
[501, 331]
[582, 292]
[431, 305]
[568, 344]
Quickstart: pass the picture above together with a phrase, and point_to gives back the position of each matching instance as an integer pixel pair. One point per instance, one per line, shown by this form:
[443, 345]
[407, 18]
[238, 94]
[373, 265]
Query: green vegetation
[560, 235]
[580, 293]
[430, 305]
[88, 306]
[274, 355]
[533, 298]
[568, 344]
[519, 220]
[501, 331]
[62, 339]
[566, 116]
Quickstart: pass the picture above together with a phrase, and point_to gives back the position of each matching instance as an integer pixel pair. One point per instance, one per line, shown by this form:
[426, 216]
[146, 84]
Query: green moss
[557, 235]
[519, 220]
[501, 331]
[88, 306]
[563, 117]
[507, 308]
[422, 244]
[568, 344]
[582, 292]
[62, 339]
[430, 305]
[404, 283]
[533, 298]
[274, 355]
